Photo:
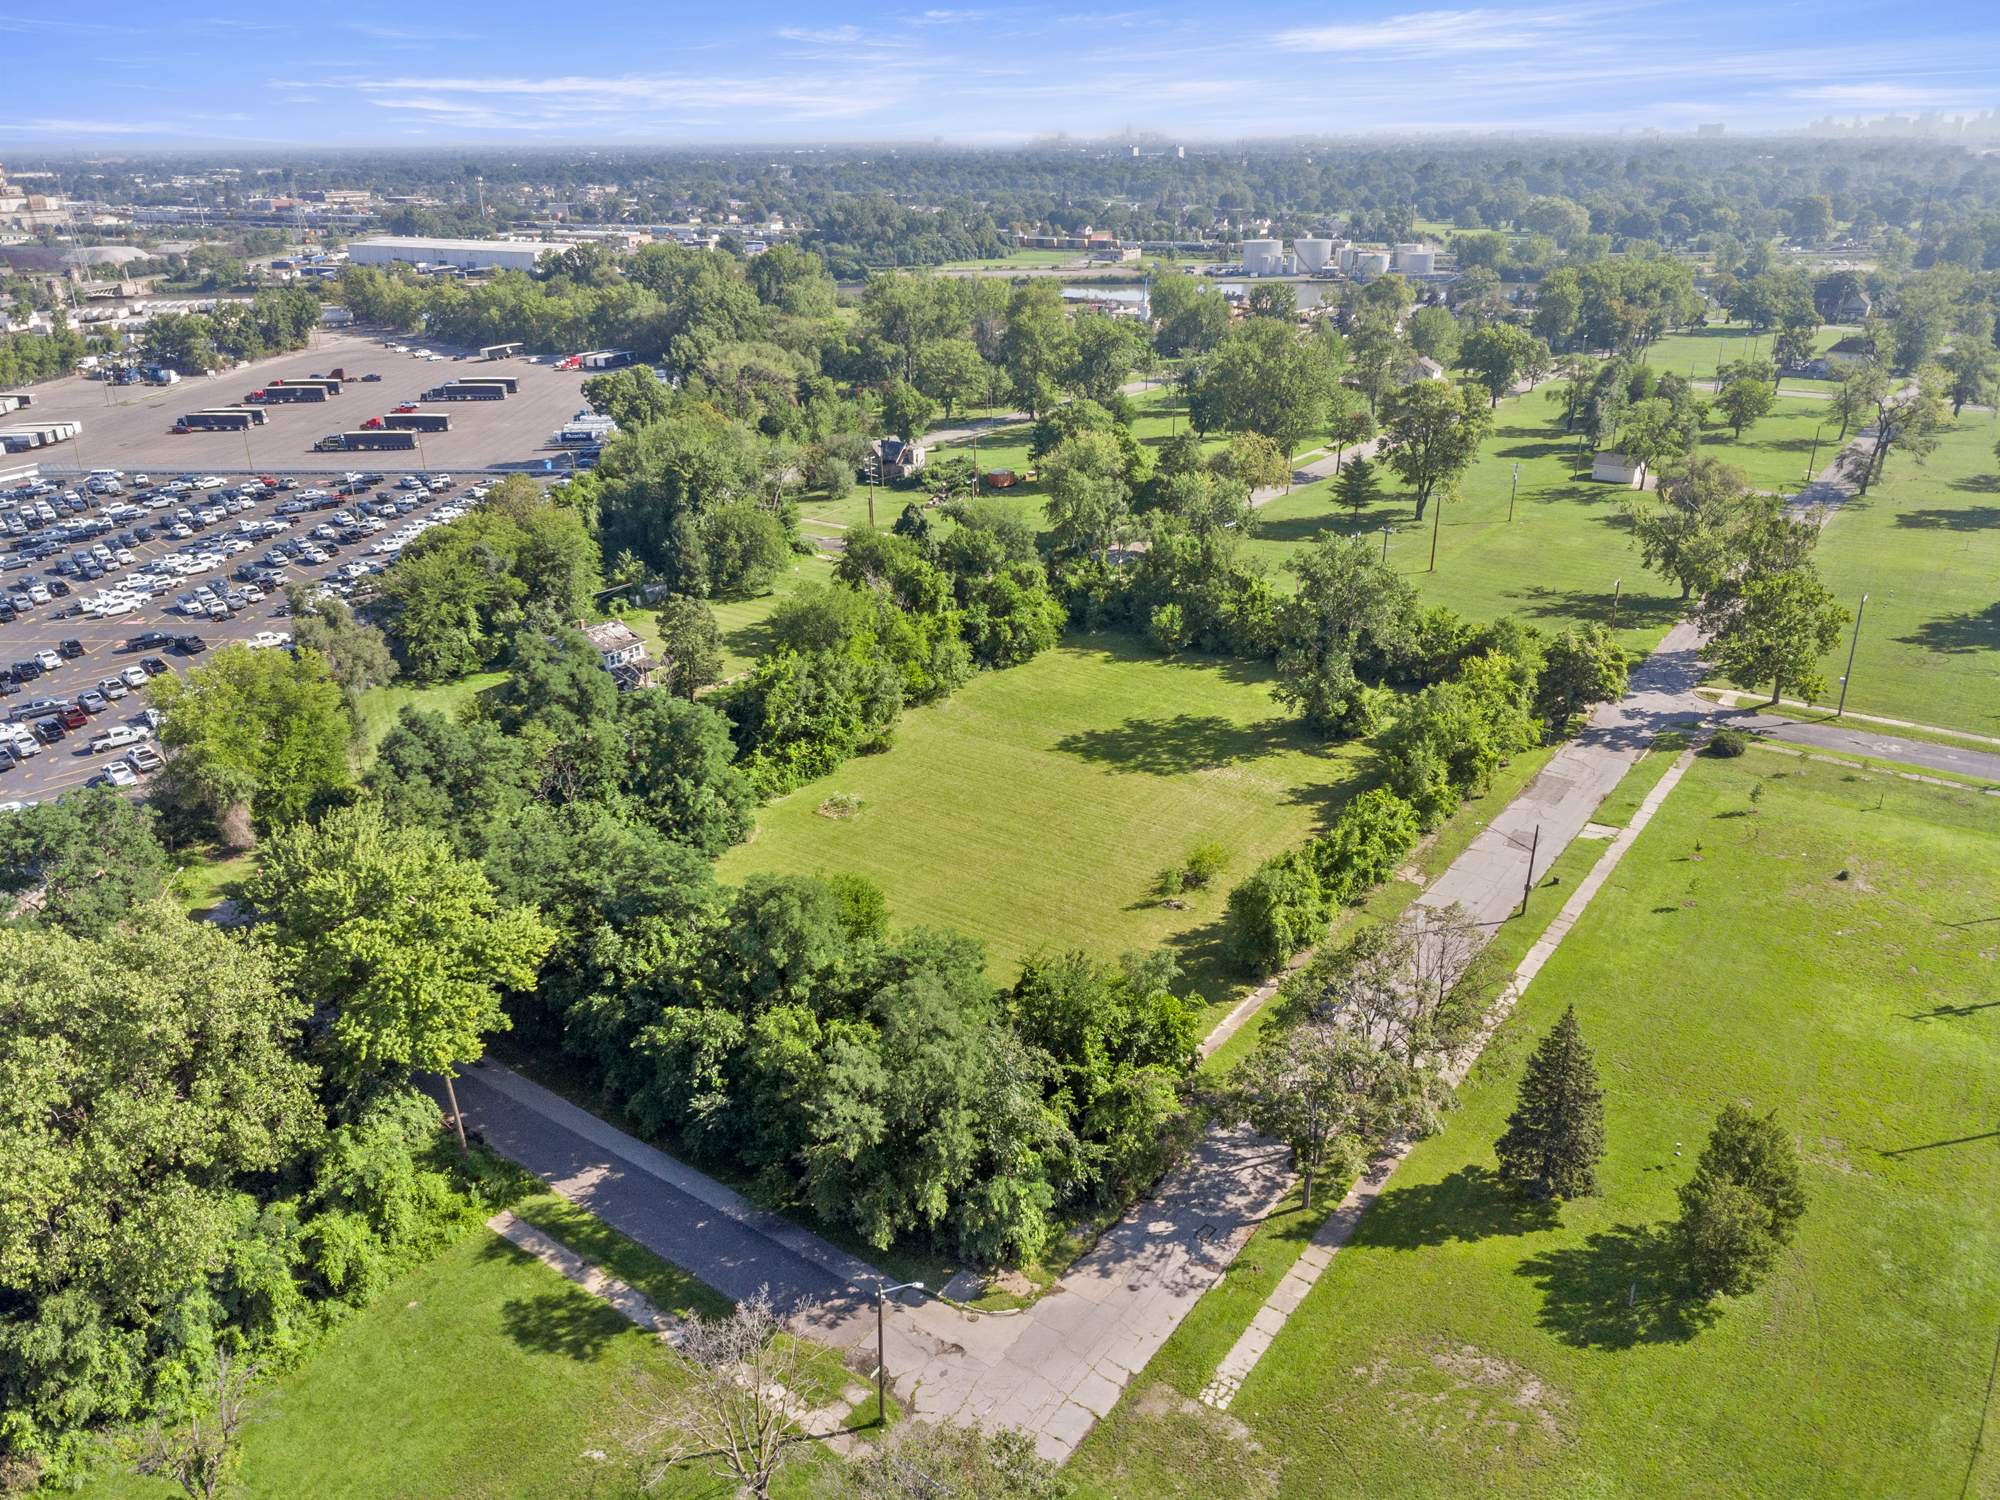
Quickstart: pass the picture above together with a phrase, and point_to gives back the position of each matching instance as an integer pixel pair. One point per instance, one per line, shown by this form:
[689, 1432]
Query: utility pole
[1814, 460]
[1385, 545]
[1856, 641]
[1528, 884]
[1513, 489]
[882, 1350]
[1437, 520]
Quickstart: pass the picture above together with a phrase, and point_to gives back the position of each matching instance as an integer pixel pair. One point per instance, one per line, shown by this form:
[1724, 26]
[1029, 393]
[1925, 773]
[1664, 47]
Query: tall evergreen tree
[1357, 488]
[1747, 1193]
[1555, 1137]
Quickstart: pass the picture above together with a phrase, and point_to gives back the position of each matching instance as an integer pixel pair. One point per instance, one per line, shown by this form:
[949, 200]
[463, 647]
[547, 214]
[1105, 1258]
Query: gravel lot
[126, 427]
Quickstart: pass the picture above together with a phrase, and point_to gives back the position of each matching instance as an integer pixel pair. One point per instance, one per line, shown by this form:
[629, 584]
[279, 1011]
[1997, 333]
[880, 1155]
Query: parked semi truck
[383, 439]
[276, 393]
[457, 392]
[418, 421]
[214, 421]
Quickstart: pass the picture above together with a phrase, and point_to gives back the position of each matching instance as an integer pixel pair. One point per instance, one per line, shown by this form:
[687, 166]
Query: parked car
[72, 648]
[144, 759]
[121, 775]
[117, 738]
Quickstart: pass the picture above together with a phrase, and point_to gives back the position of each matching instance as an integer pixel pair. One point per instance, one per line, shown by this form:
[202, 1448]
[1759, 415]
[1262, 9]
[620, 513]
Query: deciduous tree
[1431, 431]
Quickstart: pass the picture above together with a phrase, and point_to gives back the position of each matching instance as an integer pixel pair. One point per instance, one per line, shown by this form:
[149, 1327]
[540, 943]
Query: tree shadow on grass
[1634, 611]
[1940, 518]
[1471, 1204]
[1978, 484]
[1958, 635]
[1534, 444]
[1177, 745]
[1619, 1288]
[566, 1323]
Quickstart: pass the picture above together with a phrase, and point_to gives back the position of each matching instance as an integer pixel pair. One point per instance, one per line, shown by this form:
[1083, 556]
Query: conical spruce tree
[1555, 1137]
[1357, 488]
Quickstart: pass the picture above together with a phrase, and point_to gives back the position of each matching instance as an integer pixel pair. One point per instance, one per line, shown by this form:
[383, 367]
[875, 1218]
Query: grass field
[1924, 545]
[1037, 806]
[484, 1373]
[381, 706]
[1559, 563]
[1468, 1341]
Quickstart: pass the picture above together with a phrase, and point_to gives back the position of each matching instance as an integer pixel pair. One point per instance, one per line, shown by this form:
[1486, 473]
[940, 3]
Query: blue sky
[368, 72]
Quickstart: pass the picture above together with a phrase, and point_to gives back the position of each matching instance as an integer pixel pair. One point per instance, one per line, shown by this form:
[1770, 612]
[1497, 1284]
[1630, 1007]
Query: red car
[73, 717]
[407, 406]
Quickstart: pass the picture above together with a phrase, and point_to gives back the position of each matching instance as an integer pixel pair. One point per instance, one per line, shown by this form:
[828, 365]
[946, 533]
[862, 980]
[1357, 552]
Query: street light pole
[1385, 545]
[1513, 489]
[882, 1350]
[1856, 641]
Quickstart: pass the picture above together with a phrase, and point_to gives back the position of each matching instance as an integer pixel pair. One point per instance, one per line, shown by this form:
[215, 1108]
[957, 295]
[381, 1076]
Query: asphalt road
[1878, 743]
[68, 763]
[690, 1219]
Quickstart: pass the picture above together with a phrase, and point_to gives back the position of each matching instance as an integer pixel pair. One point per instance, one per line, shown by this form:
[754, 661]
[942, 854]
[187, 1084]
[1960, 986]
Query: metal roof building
[470, 255]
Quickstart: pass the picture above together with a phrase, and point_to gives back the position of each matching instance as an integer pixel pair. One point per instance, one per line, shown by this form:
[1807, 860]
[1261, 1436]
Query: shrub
[1366, 843]
[1276, 912]
[1203, 863]
[1728, 743]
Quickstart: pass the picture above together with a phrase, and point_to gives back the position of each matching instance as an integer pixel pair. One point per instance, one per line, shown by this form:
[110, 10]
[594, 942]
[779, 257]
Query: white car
[135, 677]
[266, 640]
[118, 737]
[208, 482]
[47, 660]
[254, 594]
[120, 774]
[38, 593]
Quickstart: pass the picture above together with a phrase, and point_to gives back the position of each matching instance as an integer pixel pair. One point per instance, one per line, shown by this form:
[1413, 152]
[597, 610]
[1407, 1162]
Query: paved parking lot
[69, 763]
[125, 427]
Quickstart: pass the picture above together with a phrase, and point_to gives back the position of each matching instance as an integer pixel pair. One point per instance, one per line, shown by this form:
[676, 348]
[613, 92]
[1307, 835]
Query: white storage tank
[1263, 257]
[1416, 260]
[1313, 255]
[1347, 254]
[1371, 263]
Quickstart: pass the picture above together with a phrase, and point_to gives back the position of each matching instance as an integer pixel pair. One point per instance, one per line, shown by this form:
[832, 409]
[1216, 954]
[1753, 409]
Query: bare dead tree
[1417, 989]
[199, 1456]
[731, 1400]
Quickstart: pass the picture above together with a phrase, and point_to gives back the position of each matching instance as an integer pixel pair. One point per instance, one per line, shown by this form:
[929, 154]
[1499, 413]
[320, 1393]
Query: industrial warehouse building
[467, 255]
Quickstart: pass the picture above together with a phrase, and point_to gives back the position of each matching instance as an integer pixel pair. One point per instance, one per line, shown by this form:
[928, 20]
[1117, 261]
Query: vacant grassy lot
[1557, 564]
[1467, 1341]
[1924, 545]
[1038, 805]
[482, 1374]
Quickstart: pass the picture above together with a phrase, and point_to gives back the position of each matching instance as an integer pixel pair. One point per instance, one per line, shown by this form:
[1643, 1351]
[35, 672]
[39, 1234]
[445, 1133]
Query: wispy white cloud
[1436, 33]
[830, 34]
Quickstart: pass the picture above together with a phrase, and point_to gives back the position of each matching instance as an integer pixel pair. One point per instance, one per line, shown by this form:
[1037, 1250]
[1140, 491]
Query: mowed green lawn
[1037, 806]
[484, 1373]
[1564, 560]
[1924, 545]
[1466, 1342]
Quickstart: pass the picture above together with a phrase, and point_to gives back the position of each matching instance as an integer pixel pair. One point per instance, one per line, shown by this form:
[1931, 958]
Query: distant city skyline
[372, 74]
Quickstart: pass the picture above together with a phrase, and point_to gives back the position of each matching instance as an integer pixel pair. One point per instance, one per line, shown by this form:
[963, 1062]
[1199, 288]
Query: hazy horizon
[799, 75]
